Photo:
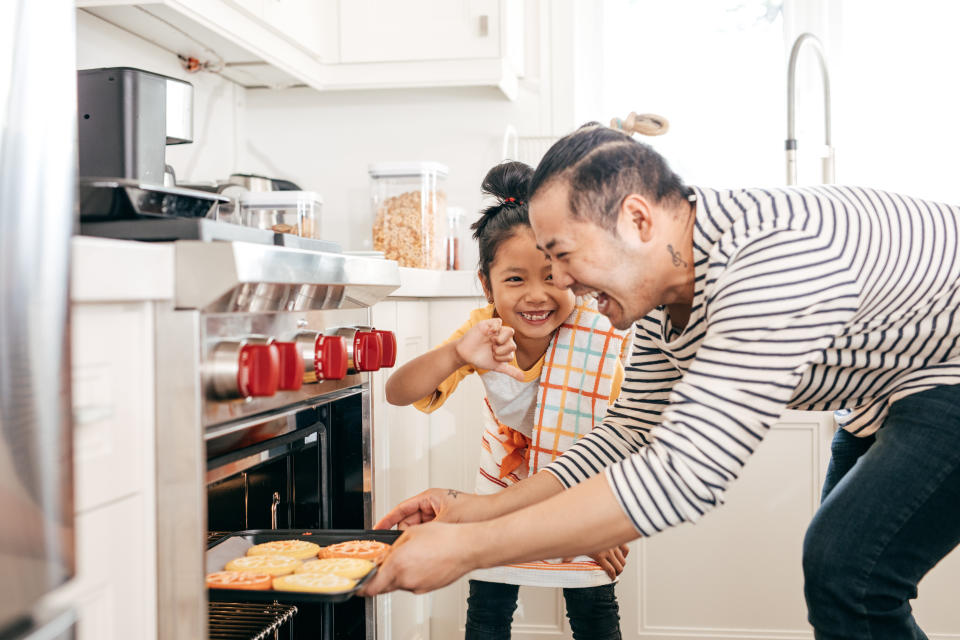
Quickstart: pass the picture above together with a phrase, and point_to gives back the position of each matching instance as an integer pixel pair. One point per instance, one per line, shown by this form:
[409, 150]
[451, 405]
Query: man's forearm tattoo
[453, 493]
[675, 255]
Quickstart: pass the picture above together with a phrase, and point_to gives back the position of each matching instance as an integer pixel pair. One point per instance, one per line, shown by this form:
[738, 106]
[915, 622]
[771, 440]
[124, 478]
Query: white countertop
[105, 270]
[425, 283]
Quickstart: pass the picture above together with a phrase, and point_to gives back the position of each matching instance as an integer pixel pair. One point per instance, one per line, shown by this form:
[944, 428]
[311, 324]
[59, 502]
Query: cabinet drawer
[113, 407]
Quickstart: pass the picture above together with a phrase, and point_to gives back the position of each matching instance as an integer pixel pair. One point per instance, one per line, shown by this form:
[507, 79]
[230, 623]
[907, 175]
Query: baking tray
[222, 551]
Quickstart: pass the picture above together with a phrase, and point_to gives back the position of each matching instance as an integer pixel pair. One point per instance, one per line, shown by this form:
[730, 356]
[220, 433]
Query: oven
[264, 422]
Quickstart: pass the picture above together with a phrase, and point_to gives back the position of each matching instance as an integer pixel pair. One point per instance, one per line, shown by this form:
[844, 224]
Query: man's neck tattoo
[675, 255]
[453, 493]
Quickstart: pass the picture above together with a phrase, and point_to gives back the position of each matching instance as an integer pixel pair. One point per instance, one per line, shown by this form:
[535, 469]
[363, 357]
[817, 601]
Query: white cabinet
[401, 459]
[336, 44]
[377, 31]
[114, 591]
[115, 288]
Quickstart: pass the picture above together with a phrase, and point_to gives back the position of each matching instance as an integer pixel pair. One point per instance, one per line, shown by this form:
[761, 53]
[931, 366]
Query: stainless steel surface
[243, 277]
[252, 182]
[791, 144]
[220, 370]
[37, 192]
[247, 621]
[179, 111]
[112, 198]
[58, 626]
[281, 326]
[181, 468]
[366, 408]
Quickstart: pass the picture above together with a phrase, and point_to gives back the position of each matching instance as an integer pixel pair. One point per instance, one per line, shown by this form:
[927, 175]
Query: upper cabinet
[418, 30]
[336, 44]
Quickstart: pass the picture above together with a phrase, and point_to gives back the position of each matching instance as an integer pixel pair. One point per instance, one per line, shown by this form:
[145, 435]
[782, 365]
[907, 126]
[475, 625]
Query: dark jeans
[890, 512]
[592, 611]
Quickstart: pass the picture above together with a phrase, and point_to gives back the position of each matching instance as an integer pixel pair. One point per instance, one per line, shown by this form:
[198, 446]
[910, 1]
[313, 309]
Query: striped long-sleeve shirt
[817, 298]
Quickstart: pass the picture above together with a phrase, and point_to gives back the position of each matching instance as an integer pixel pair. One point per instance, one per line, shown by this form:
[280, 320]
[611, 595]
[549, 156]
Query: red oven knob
[258, 370]
[367, 350]
[291, 366]
[388, 353]
[330, 361]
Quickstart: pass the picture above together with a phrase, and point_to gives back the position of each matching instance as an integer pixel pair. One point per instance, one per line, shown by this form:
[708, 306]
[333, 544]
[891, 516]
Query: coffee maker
[126, 117]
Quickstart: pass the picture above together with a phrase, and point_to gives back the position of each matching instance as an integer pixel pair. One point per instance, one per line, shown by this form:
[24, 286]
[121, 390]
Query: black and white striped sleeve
[774, 303]
[648, 378]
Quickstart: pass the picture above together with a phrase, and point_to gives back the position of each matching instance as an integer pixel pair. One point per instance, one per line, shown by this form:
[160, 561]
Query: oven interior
[309, 478]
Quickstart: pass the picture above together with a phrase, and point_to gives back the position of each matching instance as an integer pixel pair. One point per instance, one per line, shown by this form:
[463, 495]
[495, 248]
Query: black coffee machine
[125, 119]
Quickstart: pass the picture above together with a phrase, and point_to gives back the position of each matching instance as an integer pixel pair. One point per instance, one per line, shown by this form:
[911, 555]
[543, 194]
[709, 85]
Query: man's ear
[635, 219]
[485, 283]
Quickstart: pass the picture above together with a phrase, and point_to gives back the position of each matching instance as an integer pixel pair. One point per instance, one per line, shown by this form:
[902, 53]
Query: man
[745, 303]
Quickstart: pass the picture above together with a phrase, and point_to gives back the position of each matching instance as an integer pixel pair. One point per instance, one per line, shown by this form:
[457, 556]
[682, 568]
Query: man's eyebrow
[548, 246]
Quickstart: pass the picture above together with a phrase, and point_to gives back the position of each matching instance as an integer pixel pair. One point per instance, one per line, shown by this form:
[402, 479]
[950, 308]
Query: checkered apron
[574, 390]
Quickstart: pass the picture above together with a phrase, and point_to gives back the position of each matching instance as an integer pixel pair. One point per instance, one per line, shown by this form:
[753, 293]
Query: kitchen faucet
[791, 145]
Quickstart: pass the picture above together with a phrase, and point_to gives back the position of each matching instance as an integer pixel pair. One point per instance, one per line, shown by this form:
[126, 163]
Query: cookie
[314, 583]
[354, 568]
[246, 580]
[300, 549]
[274, 565]
[366, 549]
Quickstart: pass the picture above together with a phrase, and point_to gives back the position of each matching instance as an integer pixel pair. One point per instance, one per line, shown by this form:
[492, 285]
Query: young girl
[549, 365]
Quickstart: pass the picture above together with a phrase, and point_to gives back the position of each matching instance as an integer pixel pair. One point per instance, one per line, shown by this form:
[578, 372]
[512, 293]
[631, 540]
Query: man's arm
[585, 519]
[450, 505]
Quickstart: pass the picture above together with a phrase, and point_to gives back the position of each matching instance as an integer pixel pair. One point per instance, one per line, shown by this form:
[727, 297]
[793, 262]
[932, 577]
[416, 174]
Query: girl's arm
[487, 345]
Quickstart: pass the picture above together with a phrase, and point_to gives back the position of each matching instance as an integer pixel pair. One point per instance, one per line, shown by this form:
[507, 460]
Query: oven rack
[247, 620]
[213, 536]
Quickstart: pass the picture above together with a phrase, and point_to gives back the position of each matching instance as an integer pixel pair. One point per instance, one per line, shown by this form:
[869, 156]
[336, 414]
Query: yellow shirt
[532, 375]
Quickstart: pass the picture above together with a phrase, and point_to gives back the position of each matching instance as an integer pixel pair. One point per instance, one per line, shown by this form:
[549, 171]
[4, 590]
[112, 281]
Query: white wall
[217, 103]
[325, 141]
[897, 96]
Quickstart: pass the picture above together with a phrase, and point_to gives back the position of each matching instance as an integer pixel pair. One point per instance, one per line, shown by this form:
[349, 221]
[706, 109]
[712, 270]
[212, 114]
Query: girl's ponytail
[507, 183]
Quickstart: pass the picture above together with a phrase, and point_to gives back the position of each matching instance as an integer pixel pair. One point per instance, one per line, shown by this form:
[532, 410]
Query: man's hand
[424, 558]
[489, 345]
[447, 505]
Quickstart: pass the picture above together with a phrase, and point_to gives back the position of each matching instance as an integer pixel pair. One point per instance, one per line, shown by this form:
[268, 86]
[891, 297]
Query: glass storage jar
[296, 212]
[409, 213]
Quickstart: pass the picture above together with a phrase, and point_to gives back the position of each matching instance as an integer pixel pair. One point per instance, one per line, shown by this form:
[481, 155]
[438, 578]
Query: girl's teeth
[535, 316]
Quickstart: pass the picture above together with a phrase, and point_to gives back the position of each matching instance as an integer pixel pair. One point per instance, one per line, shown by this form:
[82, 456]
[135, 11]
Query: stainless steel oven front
[263, 416]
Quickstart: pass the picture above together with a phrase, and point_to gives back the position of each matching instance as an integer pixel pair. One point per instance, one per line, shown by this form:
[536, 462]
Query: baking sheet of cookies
[222, 551]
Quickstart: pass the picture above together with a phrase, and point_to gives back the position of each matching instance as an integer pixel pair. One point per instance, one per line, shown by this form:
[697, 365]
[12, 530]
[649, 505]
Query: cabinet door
[311, 24]
[401, 462]
[256, 8]
[387, 31]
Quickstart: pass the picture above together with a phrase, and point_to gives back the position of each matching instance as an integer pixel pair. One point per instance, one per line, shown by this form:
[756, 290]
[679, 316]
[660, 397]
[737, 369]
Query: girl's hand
[489, 345]
[612, 560]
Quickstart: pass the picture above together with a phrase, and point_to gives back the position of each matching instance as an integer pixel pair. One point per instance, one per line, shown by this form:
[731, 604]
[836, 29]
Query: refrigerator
[37, 216]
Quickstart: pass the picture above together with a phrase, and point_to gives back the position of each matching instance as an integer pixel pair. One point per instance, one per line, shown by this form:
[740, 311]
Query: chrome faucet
[791, 145]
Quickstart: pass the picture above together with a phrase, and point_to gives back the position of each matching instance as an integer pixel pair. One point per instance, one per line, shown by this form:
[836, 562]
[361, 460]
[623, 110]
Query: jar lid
[280, 198]
[387, 169]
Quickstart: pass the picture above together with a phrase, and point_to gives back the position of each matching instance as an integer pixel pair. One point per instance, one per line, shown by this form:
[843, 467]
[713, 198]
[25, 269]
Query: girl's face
[521, 286]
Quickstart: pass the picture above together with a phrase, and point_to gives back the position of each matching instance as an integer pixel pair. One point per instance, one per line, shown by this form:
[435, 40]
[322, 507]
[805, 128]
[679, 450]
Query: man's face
[617, 267]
